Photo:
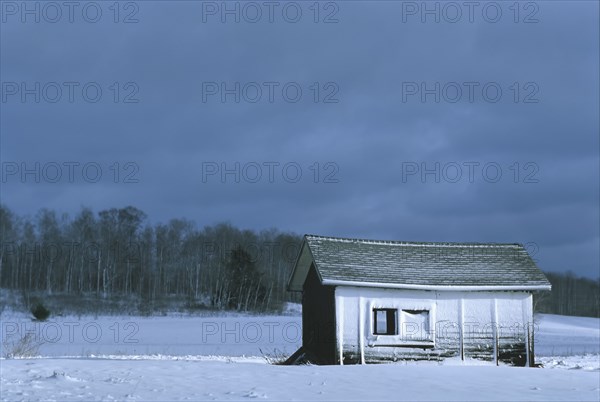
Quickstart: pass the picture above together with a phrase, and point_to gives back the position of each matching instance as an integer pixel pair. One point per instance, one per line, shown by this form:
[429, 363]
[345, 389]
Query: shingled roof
[412, 265]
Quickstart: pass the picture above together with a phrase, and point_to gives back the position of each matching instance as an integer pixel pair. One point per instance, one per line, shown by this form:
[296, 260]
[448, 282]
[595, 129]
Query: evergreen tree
[245, 288]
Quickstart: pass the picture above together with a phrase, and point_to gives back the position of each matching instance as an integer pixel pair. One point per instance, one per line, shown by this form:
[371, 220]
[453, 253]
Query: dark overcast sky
[528, 157]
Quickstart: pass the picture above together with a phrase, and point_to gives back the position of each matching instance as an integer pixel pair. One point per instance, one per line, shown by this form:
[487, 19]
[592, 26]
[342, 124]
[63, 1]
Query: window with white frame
[385, 321]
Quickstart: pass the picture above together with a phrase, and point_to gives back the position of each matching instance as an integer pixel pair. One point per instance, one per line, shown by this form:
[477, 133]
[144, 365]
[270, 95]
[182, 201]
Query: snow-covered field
[566, 336]
[221, 358]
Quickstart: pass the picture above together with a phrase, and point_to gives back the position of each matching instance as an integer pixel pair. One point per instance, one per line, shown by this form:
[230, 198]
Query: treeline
[118, 255]
[570, 295]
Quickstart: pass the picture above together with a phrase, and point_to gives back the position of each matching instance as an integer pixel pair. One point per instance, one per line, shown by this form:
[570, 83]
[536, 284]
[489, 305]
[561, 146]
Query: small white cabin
[367, 301]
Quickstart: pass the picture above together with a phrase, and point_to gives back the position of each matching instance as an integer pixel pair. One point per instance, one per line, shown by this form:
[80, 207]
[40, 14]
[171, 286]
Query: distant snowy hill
[560, 335]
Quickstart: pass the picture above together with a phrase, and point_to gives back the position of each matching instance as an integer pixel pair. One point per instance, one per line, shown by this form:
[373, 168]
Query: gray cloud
[370, 134]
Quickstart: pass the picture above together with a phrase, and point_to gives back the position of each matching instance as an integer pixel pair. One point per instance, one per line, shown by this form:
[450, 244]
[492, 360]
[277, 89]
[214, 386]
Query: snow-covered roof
[413, 265]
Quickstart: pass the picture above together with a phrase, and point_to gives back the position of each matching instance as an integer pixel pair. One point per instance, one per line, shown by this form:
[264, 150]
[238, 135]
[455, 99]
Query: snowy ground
[221, 358]
[66, 379]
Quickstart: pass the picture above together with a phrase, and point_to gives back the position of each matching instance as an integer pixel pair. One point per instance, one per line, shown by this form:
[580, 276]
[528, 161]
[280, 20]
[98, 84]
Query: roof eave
[333, 282]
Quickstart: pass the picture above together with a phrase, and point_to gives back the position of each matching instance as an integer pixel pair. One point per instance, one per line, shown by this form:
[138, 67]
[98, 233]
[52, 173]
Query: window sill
[397, 341]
